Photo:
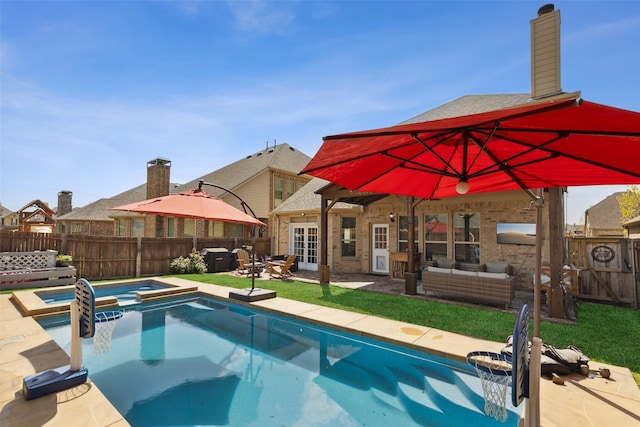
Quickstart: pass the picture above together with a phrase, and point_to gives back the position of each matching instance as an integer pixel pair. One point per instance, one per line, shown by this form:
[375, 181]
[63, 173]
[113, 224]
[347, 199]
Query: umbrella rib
[444, 162]
[552, 153]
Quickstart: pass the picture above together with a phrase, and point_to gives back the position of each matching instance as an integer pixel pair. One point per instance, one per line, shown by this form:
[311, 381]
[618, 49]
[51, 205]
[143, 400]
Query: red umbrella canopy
[196, 204]
[552, 144]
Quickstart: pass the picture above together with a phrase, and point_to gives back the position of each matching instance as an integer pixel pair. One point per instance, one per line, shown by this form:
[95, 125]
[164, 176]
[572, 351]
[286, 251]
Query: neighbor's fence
[99, 257]
[609, 268]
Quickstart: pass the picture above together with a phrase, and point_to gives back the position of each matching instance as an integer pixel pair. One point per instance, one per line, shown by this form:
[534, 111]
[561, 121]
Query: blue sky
[92, 90]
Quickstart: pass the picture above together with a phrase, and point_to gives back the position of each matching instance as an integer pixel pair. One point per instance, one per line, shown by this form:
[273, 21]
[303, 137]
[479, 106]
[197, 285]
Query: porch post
[555, 298]
[323, 268]
[410, 279]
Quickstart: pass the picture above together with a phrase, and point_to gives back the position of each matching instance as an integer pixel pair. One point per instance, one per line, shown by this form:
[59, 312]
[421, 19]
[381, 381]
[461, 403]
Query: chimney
[545, 53]
[158, 174]
[64, 203]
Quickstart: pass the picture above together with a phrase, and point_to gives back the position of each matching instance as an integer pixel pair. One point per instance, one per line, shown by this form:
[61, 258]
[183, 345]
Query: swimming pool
[203, 361]
[124, 292]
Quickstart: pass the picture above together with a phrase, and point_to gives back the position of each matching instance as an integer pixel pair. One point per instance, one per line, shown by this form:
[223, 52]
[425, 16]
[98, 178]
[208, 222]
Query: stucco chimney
[64, 202]
[545, 53]
[158, 177]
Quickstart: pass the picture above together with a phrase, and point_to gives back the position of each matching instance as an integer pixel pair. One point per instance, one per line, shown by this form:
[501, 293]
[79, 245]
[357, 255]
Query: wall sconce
[392, 217]
[303, 214]
[462, 187]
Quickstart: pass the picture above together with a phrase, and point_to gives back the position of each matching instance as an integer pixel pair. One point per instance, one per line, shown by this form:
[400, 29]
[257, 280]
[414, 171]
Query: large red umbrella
[560, 143]
[553, 144]
[196, 204]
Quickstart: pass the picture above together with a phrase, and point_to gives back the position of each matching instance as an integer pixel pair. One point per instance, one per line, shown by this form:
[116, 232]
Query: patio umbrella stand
[198, 204]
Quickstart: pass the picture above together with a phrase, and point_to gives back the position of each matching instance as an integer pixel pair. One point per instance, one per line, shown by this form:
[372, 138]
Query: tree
[629, 202]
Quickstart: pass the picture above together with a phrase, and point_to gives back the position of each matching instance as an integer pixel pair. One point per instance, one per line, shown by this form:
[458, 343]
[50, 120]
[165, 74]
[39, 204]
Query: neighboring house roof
[4, 211]
[605, 214]
[306, 199]
[281, 157]
[100, 209]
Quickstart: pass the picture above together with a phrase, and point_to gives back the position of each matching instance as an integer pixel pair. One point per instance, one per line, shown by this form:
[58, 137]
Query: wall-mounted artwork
[516, 234]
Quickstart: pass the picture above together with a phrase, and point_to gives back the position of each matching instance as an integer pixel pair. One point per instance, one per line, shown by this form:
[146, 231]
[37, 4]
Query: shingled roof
[471, 104]
[281, 157]
[99, 210]
[306, 199]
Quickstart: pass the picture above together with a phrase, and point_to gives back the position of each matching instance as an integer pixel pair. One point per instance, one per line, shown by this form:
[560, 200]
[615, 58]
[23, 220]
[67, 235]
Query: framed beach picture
[516, 234]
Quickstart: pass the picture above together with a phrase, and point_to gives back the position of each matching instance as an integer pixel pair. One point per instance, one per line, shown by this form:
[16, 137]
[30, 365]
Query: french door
[303, 241]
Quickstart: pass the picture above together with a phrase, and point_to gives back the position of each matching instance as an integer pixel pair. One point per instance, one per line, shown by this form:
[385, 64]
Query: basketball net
[104, 326]
[494, 371]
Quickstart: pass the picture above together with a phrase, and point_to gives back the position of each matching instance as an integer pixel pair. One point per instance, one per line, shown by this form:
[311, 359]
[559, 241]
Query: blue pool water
[125, 292]
[201, 361]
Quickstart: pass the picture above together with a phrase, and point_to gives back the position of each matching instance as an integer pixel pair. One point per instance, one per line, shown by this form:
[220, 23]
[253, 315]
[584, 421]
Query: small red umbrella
[196, 204]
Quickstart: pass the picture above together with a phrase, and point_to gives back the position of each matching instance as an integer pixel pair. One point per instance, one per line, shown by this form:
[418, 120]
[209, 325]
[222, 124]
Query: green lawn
[605, 333]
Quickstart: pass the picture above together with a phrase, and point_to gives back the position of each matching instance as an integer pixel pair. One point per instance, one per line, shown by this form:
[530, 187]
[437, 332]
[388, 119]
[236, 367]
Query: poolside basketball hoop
[82, 317]
[494, 371]
[105, 323]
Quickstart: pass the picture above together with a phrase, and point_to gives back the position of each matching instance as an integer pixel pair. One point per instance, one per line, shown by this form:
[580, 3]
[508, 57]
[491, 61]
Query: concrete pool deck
[25, 348]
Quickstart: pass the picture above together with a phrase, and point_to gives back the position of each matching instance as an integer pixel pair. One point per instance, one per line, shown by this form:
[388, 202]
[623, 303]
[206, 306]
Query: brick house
[263, 180]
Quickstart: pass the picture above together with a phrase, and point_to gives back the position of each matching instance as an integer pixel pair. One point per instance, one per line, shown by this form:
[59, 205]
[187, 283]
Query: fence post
[139, 257]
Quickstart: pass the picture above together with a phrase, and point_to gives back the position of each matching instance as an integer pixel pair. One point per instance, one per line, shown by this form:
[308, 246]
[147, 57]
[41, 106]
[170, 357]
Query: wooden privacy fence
[99, 257]
[609, 268]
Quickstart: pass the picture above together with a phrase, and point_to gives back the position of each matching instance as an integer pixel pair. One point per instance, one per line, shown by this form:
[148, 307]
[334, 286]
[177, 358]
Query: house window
[435, 236]
[278, 192]
[137, 227]
[466, 231]
[122, 227]
[189, 227]
[348, 226]
[236, 230]
[171, 227]
[291, 188]
[76, 227]
[216, 229]
[403, 234]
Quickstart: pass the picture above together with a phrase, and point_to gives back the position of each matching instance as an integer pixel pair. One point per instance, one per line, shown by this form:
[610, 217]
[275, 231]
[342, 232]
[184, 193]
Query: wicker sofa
[491, 283]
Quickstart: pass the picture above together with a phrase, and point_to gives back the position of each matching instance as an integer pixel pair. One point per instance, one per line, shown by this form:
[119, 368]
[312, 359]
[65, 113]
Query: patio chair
[281, 269]
[243, 262]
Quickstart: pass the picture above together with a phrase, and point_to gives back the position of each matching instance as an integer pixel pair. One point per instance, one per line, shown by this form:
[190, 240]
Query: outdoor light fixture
[462, 187]
[392, 217]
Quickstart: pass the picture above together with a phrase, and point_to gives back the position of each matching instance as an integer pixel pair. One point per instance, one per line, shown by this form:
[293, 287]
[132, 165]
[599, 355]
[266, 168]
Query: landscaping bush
[193, 264]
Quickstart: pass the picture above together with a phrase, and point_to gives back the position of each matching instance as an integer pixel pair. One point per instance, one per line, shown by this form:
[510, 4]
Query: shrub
[192, 264]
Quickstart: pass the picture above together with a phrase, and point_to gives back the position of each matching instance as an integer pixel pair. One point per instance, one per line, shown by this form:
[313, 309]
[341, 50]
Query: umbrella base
[251, 295]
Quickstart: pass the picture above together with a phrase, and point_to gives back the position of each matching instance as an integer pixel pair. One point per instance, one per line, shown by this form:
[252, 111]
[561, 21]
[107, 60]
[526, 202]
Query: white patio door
[303, 241]
[380, 248]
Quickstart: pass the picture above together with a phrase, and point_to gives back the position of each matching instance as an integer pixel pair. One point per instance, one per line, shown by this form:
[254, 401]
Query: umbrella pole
[538, 267]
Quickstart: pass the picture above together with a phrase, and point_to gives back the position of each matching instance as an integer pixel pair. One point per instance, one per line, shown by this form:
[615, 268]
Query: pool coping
[25, 348]
[31, 304]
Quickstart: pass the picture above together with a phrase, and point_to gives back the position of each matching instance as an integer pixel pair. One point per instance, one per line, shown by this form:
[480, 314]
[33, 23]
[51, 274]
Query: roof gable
[606, 213]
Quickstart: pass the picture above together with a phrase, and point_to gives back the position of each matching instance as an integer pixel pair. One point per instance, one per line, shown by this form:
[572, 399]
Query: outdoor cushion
[496, 267]
[439, 270]
[447, 263]
[493, 275]
[464, 272]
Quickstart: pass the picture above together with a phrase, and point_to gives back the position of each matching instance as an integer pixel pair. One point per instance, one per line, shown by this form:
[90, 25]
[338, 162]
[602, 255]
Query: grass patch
[605, 333]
